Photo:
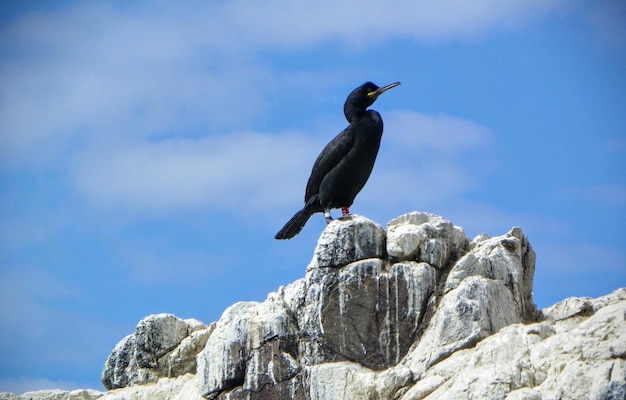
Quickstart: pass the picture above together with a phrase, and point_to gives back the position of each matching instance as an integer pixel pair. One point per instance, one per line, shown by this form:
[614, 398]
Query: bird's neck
[353, 113]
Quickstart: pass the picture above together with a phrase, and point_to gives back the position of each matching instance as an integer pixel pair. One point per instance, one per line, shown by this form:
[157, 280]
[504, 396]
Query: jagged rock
[486, 290]
[425, 237]
[253, 346]
[476, 309]
[162, 346]
[419, 312]
[508, 259]
[349, 307]
[356, 305]
[581, 306]
[574, 358]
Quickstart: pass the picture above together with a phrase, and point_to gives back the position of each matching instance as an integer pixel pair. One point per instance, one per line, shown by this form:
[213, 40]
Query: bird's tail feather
[295, 224]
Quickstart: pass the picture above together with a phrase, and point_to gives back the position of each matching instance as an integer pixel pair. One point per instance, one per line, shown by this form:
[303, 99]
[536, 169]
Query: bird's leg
[345, 211]
[327, 215]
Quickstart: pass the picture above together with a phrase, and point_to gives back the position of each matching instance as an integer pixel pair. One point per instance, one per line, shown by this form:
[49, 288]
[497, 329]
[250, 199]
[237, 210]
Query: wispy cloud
[600, 195]
[358, 23]
[93, 69]
[266, 171]
[421, 133]
[250, 170]
[428, 158]
[155, 262]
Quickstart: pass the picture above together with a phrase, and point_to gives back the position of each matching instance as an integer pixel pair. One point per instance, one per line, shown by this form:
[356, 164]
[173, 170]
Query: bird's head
[364, 96]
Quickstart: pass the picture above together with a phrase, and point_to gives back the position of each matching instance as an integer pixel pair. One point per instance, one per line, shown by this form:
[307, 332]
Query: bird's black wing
[328, 159]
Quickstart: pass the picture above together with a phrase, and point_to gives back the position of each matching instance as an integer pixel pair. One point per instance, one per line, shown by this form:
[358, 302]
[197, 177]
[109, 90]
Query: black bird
[343, 167]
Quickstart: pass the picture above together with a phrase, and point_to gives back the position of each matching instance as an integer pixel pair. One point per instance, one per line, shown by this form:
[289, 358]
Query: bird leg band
[327, 216]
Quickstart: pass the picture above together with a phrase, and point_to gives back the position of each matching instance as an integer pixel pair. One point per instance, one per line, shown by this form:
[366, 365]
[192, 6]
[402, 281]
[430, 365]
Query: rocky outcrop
[353, 305]
[163, 346]
[573, 357]
[418, 311]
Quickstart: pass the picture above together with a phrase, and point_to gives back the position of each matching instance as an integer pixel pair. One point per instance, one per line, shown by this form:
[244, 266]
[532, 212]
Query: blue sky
[150, 151]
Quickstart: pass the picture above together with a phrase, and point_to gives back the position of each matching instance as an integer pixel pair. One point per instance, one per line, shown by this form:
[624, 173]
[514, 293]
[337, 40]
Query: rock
[419, 312]
[347, 240]
[568, 308]
[509, 259]
[162, 346]
[359, 307]
[253, 346]
[487, 289]
[575, 358]
[475, 310]
[344, 380]
[184, 387]
[426, 238]
[341, 305]
[321, 318]
[613, 391]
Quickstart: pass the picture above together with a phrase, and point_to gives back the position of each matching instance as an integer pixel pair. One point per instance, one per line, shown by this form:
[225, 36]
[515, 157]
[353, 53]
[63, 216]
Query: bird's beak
[382, 90]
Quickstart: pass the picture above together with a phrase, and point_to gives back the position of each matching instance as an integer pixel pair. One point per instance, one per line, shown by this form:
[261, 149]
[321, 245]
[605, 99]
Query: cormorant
[343, 167]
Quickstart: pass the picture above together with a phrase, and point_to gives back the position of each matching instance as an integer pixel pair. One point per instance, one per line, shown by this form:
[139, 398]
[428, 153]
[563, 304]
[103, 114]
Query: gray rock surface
[425, 237]
[580, 357]
[163, 345]
[417, 312]
[347, 240]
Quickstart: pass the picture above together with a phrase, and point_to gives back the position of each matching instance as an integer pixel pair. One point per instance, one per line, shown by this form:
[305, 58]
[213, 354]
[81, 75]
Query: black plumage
[344, 166]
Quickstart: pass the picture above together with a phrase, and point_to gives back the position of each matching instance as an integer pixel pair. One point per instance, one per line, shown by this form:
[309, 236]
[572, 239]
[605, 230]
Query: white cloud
[93, 69]
[424, 156]
[429, 159]
[294, 24]
[156, 262]
[422, 133]
[249, 170]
